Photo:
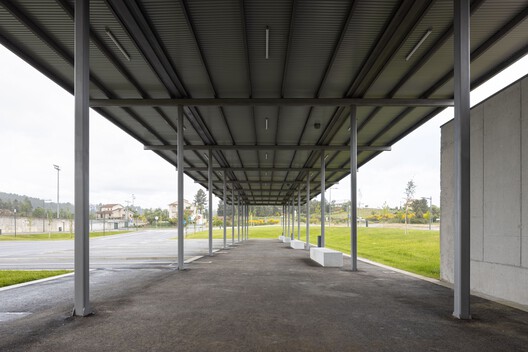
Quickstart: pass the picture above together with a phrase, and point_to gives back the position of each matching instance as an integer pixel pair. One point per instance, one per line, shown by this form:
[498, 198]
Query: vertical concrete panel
[524, 153]
[477, 182]
[447, 200]
[502, 180]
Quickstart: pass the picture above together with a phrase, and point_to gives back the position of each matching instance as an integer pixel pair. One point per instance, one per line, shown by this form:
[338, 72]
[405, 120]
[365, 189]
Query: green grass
[13, 277]
[418, 251]
[54, 236]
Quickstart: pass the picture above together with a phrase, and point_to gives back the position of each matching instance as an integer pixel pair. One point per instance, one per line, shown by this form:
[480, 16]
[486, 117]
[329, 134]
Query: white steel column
[210, 205]
[353, 187]
[323, 201]
[462, 160]
[233, 214]
[82, 175]
[308, 212]
[238, 216]
[225, 208]
[299, 213]
[179, 151]
[287, 214]
[293, 218]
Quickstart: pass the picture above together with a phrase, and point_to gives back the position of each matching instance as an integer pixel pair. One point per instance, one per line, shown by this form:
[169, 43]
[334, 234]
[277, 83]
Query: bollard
[319, 241]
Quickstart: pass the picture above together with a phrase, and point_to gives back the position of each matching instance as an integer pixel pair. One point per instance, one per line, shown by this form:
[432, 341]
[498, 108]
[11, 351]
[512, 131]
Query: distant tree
[420, 207]
[409, 195]
[200, 200]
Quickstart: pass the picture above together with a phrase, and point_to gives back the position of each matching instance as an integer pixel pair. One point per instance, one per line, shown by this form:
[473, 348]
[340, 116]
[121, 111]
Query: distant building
[113, 212]
[195, 214]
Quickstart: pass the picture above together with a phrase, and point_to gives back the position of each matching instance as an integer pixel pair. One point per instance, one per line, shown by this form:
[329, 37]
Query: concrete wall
[499, 196]
[34, 225]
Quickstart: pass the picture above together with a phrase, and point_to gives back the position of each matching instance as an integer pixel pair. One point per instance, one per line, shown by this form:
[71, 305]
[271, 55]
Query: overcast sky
[36, 119]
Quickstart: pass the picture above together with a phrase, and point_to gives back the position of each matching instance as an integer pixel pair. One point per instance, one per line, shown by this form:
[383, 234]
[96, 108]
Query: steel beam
[82, 147]
[181, 228]
[219, 182]
[462, 160]
[293, 218]
[260, 147]
[100, 103]
[353, 187]
[266, 169]
[238, 216]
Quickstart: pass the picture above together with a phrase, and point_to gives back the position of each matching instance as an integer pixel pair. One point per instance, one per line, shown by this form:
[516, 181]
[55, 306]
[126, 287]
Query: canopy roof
[393, 58]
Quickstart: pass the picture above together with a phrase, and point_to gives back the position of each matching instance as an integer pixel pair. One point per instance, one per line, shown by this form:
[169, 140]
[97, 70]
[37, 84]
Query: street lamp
[57, 167]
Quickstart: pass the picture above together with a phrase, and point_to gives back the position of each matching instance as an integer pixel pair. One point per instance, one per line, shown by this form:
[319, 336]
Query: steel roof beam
[276, 169]
[272, 102]
[269, 147]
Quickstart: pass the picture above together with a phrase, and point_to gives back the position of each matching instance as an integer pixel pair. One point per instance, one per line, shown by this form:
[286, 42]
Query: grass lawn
[13, 277]
[417, 252]
[54, 236]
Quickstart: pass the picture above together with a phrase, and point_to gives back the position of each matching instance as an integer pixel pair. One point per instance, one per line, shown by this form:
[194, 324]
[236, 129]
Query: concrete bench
[296, 244]
[286, 239]
[281, 238]
[326, 257]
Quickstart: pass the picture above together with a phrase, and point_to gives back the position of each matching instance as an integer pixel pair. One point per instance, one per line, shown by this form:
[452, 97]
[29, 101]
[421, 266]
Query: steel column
[353, 187]
[82, 175]
[210, 205]
[308, 212]
[225, 210]
[299, 213]
[293, 218]
[323, 201]
[238, 216]
[462, 160]
[233, 215]
[181, 215]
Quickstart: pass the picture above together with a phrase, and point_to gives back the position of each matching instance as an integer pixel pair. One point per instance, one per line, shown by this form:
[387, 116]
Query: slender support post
[293, 218]
[287, 214]
[283, 224]
[233, 215]
[225, 209]
[323, 200]
[308, 212]
[210, 205]
[299, 213]
[82, 175]
[462, 160]
[247, 222]
[238, 216]
[181, 215]
[353, 187]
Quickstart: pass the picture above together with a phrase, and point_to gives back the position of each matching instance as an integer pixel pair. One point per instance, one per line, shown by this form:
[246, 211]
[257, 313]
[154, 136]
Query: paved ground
[151, 247]
[262, 296]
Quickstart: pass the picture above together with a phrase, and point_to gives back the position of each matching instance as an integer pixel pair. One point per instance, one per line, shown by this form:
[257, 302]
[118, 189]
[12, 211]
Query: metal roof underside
[217, 49]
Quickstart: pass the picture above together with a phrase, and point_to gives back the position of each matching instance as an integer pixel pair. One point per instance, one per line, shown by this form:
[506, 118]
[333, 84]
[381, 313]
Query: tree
[409, 194]
[420, 207]
[200, 200]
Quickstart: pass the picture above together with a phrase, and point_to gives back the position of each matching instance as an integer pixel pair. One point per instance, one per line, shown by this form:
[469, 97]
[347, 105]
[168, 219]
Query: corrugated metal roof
[216, 49]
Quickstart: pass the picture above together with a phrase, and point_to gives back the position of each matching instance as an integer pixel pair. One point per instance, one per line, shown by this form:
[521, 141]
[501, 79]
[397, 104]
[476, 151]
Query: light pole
[14, 213]
[57, 167]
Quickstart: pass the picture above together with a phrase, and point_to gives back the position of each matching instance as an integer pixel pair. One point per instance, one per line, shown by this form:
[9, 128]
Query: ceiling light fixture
[205, 156]
[266, 156]
[429, 31]
[326, 156]
[267, 42]
[116, 42]
[267, 123]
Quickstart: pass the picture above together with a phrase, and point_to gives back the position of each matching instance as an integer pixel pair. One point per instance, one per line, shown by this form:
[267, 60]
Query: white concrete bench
[326, 257]
[296, 244]
[286, 239]
[281, 238]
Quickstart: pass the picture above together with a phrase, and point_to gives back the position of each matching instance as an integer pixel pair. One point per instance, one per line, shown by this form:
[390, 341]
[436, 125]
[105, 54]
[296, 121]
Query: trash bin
[60, 229]
[319, 241]
[0, 231]
[366, 223]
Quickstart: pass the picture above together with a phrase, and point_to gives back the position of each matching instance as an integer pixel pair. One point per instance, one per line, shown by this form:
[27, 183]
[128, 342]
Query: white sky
[36, 131]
